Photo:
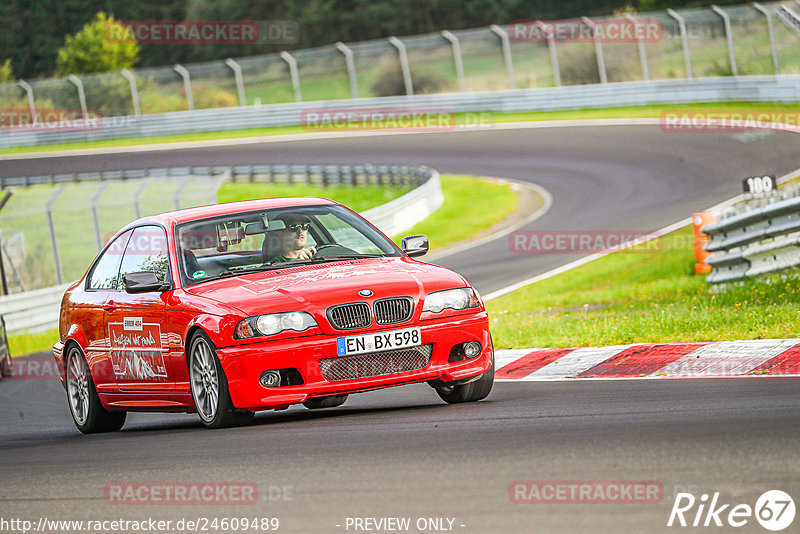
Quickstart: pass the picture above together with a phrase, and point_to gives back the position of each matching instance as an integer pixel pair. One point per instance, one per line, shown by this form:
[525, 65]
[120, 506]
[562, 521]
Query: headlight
[273, 323]
[457, 299]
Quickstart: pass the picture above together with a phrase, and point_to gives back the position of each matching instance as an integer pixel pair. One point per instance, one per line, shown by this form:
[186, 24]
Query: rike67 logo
[774, 510]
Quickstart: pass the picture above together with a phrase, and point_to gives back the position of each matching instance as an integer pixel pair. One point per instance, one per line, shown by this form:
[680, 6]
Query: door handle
[110, 306]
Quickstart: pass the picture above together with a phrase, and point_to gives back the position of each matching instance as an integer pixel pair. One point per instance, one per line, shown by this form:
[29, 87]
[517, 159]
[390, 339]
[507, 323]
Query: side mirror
[415, 245]
[143, 282]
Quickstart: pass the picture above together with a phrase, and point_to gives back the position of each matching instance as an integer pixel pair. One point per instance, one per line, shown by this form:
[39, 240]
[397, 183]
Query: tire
[471, 392]
[316, 403]
[84, 404]
[210, 387]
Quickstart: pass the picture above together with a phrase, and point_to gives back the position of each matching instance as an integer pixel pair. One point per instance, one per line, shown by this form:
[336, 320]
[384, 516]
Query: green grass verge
[471, 205]
[486, 119]
[28, 343]
[359, 198]
[641, 297]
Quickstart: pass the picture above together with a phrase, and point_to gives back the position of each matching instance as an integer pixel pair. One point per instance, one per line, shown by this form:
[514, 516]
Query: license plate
[379, 341]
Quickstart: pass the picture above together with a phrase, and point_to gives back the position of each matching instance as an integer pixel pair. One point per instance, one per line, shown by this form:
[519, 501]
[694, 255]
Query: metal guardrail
[37, 310]
[319, 175]
[755, 242]
[783, 88]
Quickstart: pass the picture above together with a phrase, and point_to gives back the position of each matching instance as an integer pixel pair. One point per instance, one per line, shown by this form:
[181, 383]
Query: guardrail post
[31, 102]
[771, 30]
[128, 75]
[95, 218]
[551, 48]
[598, 49]
[462, 84]
[52, 228]
[187, 85]
[351, 67]
[237, 74]
[177, 196]
[293, 74]
[640, 45]
[687, 58]
[726, 21]
[500, 32]
[6, 195]
[137, 199]
[404, 67]
[77, 82]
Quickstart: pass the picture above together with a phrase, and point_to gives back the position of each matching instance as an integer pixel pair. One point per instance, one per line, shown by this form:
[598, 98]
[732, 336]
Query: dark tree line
[34, 30]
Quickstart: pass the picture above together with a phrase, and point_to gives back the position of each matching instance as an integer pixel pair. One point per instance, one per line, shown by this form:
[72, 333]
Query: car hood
[314, 288]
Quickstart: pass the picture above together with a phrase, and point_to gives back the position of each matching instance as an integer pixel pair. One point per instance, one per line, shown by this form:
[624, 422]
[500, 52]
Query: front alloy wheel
[84, 404]
[210, 388]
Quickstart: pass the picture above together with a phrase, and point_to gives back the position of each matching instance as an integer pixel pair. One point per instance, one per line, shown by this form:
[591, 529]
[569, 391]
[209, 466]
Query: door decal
[136, 351]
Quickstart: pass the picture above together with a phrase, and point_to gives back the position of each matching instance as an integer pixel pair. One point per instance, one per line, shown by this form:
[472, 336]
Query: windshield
[239, 243]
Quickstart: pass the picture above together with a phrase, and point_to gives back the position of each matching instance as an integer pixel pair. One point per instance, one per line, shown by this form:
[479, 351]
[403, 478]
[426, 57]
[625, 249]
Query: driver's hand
[307, 253]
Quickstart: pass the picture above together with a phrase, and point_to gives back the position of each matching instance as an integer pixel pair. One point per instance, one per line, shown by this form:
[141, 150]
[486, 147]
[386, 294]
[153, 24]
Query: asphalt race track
[402, 452]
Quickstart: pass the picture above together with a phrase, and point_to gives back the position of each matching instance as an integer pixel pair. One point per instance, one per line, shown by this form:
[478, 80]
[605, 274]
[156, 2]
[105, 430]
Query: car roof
[172, 218]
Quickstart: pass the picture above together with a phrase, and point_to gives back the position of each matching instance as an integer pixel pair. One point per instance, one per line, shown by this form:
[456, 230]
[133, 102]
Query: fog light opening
[270, 379]
[472, 349]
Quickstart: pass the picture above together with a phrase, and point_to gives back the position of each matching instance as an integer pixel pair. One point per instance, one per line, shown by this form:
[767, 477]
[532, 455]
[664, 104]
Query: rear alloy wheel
[471, 392]
[210, 387]
[84, 404]
[316, 403]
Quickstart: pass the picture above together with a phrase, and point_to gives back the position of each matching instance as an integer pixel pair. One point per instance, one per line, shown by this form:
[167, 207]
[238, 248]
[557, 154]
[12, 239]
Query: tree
[102, 45]
[6, 72]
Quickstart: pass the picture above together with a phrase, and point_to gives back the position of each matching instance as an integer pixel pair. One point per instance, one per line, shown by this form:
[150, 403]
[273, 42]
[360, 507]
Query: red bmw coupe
[230, 309]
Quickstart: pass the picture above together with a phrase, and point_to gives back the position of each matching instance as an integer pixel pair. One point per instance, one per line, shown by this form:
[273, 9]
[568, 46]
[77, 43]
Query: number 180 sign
[760, 185]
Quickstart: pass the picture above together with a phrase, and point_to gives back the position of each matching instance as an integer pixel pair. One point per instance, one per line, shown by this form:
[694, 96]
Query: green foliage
[390, 81]
[6, 72]
[207, 96]
[103, 45]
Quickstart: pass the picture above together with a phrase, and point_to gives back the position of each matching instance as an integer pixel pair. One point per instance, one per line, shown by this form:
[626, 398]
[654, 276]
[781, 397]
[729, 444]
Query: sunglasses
[297, 227]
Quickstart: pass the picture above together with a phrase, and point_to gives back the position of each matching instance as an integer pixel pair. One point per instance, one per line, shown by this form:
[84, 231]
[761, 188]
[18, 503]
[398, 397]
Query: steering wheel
[344, 249]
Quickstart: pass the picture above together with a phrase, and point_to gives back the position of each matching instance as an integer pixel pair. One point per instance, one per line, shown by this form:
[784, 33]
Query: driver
[292, 239]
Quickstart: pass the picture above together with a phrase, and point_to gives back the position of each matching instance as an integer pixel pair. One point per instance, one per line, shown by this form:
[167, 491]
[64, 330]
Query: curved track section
[401, 452]
[601, 177]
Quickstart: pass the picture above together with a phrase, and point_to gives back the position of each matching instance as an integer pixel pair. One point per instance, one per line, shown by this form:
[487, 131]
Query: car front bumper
[243, 365]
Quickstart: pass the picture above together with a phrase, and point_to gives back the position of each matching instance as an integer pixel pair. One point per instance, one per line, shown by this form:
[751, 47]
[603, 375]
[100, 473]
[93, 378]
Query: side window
[146, 251]
[106, 271]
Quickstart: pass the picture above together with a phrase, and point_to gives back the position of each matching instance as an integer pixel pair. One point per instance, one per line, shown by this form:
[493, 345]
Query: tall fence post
[31, 102]
[462, 84]
[6, 195]
[128, 75]
[98, 237]
[726, 21]
[77, 82]
[187, 84]
[237, 74]
[52, 228]
[351, 67]
[506, 44]
[771, 30]
[598, 49]
[551, 48]
[293, 74]
[687, 58]
[641, 47]
[404, 67]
